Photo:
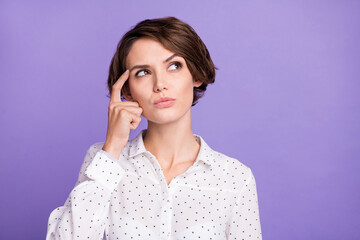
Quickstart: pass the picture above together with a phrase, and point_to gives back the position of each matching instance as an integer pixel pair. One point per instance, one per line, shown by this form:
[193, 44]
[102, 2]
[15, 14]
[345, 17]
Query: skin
[169, 134]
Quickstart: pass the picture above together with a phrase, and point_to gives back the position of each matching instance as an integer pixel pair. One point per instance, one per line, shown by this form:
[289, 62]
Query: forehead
[147, 51]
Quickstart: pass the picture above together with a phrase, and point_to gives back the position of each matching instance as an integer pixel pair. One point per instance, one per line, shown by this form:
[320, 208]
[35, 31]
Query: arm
[84, 212]
[244, 222]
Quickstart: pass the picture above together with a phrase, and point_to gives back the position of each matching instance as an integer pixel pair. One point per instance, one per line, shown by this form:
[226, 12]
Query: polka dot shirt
[129, 198]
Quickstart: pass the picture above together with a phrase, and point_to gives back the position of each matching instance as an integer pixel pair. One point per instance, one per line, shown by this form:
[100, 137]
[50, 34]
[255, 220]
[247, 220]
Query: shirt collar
[206, 154]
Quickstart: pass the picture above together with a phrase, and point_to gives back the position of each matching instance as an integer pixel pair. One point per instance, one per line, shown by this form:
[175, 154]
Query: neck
[172, 143]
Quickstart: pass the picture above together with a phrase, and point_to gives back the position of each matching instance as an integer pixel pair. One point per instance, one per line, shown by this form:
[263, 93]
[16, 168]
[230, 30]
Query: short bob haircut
[176, 36]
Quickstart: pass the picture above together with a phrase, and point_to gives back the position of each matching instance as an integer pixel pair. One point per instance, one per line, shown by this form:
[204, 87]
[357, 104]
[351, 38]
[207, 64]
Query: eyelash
[178, 63]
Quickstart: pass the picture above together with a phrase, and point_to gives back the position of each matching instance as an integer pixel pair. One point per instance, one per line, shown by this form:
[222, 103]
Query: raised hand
[122, 117]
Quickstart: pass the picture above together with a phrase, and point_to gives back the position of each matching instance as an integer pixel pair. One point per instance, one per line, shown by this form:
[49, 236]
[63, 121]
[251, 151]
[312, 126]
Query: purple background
[285, 103]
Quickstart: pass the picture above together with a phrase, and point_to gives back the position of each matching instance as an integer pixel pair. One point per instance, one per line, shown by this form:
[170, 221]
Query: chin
[163, 117]
[162, 120]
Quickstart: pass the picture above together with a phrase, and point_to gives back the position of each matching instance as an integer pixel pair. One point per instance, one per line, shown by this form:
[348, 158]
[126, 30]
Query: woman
[166, 183]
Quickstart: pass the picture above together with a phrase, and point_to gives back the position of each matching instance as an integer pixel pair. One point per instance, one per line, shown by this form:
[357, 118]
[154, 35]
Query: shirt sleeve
[244, 222]
[84, 212]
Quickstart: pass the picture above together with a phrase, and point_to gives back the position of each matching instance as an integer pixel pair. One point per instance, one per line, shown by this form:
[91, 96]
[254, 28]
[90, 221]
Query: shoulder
[218, 159]
[95, 147]
[231, 162]
[235, 173]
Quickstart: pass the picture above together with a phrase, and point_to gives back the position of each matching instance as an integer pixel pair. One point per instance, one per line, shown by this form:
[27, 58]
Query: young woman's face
[156, 73]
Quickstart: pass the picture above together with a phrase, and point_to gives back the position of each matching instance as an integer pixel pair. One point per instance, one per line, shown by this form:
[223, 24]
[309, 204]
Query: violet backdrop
[285, 103]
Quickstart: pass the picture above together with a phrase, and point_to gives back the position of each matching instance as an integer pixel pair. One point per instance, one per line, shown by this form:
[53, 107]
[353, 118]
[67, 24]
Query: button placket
[166, 212]
[168, 191]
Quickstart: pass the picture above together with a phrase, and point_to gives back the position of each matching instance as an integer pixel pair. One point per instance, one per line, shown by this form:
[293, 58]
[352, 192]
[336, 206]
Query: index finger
[116, 88]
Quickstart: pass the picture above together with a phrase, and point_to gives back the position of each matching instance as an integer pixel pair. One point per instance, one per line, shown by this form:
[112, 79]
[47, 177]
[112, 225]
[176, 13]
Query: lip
[164, 102]
[164, 99]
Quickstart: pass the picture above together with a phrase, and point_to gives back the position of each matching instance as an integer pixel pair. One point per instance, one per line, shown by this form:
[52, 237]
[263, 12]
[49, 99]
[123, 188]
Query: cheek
[138, 93]
[133, 89]
[187, 93]
[190, 87]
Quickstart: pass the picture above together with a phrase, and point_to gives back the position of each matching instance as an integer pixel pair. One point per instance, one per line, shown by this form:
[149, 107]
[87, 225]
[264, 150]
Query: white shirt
[129, 198]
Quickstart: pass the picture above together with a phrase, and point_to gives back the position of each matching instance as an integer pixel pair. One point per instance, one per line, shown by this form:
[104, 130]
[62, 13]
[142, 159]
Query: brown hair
[175, 35]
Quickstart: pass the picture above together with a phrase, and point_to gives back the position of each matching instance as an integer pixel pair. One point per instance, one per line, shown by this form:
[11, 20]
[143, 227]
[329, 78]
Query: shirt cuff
[105, 169]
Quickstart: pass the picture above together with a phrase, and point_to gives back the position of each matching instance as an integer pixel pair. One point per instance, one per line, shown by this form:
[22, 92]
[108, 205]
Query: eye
[176, 64]
[143, 71]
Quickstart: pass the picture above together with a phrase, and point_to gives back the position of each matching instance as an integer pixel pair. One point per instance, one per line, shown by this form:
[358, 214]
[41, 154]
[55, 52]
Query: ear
[197, 83]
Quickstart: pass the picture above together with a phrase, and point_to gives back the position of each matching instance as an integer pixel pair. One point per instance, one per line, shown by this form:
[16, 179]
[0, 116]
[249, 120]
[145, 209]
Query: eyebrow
[146, 66]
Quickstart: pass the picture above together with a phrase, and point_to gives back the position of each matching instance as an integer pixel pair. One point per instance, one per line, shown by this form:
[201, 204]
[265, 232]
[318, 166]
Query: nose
[159, 82]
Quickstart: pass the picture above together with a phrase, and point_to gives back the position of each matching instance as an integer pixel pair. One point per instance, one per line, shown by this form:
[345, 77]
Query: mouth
[165, 103]
[163, 99]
